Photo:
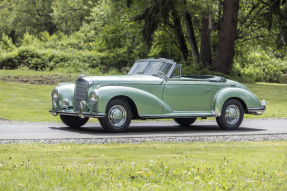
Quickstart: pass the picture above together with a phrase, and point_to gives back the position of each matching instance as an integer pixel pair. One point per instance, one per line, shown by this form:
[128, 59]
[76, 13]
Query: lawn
[147, 166]
[30, 102]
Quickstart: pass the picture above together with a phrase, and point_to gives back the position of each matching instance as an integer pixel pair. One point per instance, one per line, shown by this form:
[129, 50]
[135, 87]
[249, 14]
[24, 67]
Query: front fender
[145, 102]
[66, 92]
[250, 100]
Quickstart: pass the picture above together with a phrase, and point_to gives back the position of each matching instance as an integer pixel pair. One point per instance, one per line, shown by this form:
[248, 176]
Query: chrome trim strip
[72, 113]
[166, 117]
[124, 84]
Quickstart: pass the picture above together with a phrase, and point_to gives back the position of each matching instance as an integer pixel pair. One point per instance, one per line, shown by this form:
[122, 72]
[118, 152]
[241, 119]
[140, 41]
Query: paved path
[25, 130]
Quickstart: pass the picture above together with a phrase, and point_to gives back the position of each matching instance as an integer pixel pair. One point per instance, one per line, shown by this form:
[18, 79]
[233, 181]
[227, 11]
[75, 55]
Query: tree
[35, 16]
[205, 46]
[157, 13]
[223, 57]
[190, 33]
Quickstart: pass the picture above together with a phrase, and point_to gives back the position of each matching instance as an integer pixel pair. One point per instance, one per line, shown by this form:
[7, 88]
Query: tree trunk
[225, 47]
[190, 34]
[205, 47]
[13, 36]
[179, 35]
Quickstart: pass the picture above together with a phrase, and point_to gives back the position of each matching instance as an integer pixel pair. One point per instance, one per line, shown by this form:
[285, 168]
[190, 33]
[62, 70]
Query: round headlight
[94, 97]
[55, 94]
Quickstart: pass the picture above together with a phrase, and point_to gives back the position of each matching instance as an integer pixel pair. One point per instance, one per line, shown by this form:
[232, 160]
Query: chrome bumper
[258, 110]
[81, 115]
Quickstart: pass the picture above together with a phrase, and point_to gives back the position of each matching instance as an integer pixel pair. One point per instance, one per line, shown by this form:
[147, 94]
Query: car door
[188, 95]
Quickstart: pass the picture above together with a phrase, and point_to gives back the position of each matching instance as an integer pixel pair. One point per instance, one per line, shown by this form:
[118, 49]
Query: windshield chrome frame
[173, 67]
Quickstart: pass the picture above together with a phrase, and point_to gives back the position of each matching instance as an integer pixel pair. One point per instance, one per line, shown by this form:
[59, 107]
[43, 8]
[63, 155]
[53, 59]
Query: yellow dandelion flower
[257, 181]
[255, 174]
[280, 173]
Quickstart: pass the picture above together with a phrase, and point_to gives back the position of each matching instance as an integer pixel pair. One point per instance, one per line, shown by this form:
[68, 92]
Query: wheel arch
[247, 99]
[131, 104]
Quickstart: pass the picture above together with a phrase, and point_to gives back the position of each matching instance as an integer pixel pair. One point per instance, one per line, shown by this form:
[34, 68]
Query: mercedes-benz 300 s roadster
[153, 89]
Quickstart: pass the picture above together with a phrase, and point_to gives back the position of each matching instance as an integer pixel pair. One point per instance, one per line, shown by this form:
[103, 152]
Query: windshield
[150, 68]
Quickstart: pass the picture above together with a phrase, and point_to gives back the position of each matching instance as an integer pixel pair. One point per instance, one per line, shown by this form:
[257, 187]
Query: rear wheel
[73, 121]
[118, 116]
[185, 122]
[231, 116]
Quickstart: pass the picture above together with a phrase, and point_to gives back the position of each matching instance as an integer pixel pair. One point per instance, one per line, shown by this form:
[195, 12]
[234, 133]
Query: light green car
[153, 89]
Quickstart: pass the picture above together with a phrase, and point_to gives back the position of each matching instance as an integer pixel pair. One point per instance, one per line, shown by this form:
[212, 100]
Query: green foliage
[6, 44]
[83, 34]
[261, 67]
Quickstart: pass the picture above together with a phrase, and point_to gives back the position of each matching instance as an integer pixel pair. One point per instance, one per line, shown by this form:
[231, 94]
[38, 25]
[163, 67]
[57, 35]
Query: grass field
[148, 166]
[29, 102]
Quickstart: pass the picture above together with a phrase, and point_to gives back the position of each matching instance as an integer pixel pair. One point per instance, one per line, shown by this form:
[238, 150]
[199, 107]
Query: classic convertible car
[153, 89]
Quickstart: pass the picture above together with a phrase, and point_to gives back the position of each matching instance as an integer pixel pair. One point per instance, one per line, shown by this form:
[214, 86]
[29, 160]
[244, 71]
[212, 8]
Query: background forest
[240, 39]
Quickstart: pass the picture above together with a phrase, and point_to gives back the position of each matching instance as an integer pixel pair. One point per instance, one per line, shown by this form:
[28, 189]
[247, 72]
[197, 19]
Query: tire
[118, 116]
[185, 122]
[231, 116]
[73, 121]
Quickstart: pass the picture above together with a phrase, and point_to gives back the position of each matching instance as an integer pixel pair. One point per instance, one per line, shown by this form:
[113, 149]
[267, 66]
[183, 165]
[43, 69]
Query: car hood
[126, 79]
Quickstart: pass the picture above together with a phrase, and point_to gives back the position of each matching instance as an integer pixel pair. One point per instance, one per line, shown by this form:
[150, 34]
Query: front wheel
[118, 116]
[185, 122]
[231, 115]
[73, 121]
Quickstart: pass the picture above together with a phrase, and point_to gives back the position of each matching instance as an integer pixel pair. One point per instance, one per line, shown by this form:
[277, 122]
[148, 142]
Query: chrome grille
[80, 94]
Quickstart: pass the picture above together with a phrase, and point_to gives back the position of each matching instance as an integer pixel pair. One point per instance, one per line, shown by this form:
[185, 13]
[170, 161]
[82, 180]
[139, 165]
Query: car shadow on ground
[156, 129]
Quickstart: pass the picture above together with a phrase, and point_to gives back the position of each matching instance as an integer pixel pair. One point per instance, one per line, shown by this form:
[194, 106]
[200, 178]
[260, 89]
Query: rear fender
[250, 100]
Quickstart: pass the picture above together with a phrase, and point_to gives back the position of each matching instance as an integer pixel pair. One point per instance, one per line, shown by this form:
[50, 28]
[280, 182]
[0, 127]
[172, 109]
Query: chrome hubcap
[117, 115]
[232, 114]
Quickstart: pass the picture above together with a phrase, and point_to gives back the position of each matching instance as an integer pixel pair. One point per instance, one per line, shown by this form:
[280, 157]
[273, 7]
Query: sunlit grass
[149, 166]
[275, 96]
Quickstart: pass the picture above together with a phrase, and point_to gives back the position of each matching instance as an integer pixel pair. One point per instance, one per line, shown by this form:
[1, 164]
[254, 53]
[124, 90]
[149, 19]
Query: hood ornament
[82, 73]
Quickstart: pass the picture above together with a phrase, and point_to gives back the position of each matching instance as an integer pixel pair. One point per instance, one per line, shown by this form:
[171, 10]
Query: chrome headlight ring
[55, 94]
[93, 97]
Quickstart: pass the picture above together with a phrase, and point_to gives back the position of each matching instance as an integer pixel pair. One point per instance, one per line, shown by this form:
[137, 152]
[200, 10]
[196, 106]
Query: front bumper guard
[82, 112]
[258, 110]
[81, 115]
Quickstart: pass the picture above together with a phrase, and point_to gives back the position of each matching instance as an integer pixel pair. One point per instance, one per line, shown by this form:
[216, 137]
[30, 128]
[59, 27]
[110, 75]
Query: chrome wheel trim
[117, 115]
[232, 114]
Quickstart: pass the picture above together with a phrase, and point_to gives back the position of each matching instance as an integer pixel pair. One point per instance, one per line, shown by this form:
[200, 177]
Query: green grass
[58, 71]
[275, 96]
[30, 73]
[28, 102]
[148, 166]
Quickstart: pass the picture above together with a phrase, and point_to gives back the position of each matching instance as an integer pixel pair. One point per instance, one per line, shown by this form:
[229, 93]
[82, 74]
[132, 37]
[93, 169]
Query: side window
[177, 71]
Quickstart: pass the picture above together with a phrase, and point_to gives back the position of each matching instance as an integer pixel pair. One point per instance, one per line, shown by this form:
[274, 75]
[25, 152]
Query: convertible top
[207, 77]
[156, 60]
